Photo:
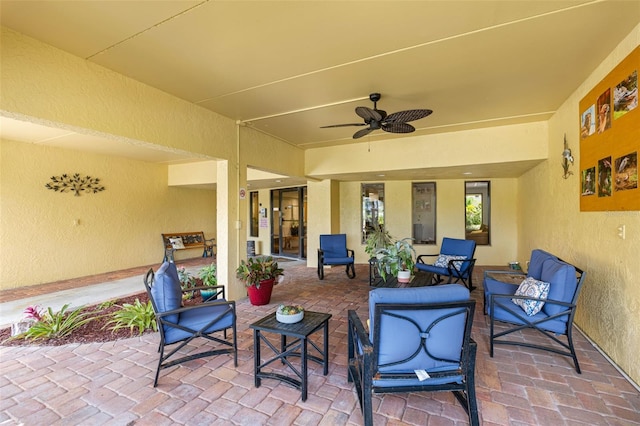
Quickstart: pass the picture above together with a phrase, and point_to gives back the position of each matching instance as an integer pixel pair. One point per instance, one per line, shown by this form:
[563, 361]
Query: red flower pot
[261, 296]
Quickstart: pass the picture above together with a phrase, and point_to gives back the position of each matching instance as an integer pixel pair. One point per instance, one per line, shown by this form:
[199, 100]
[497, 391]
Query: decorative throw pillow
[176, 243]
[443, 261]
[532, 288]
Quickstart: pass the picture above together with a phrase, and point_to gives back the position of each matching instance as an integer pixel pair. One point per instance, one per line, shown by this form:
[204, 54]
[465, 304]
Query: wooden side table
[300, 331]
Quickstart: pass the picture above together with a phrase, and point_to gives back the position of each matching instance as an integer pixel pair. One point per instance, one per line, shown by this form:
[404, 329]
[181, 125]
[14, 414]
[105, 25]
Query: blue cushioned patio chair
[182, 325]
[554, 319]
[414, 330]
[454, 261]
[333, 251]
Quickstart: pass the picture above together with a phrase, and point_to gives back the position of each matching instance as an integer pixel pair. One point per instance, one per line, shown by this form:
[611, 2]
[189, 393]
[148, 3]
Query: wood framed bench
[187, 240]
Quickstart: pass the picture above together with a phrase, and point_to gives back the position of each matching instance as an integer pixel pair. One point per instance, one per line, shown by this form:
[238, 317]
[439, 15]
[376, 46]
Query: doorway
[289, 222]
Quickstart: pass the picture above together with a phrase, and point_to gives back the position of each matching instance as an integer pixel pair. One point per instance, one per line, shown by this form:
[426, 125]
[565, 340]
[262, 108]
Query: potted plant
[396, 259]
[209, 277]
[377, 238]
[187, 281]
[259, 275]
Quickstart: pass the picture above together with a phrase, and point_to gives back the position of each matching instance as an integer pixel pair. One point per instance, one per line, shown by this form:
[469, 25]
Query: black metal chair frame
[454, 273]
[351, 269]
[228, 347]
[363, 359]
[504, 302]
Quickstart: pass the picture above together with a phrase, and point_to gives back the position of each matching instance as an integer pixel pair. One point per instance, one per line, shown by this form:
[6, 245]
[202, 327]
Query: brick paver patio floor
[112, 383]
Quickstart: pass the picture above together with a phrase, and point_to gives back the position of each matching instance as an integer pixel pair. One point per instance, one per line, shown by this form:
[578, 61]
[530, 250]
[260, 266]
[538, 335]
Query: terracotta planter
[261, 296]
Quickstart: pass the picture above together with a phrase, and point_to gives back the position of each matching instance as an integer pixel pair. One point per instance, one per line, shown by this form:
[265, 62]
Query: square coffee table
[298, 347]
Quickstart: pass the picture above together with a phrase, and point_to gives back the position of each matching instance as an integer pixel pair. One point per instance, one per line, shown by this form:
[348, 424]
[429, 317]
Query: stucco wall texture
[48, 236]
[550, 218]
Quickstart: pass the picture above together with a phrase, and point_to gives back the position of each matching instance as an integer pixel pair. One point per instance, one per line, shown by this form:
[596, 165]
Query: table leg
[325, 355]
[283, 345]
[256, 357]
[304, 369]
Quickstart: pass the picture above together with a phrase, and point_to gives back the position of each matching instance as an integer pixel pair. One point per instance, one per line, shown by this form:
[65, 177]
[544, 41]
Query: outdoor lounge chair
[454, 261]
[182, 325]
[546, 303]
[414, 330]
[333, 251]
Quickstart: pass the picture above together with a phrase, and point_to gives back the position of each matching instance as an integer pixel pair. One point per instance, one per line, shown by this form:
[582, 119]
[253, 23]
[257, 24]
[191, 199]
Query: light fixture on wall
[567, 159]
[75, 183]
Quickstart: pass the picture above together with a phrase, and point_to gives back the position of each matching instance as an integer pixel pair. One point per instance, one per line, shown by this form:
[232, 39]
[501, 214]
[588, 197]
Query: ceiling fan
[378, 119]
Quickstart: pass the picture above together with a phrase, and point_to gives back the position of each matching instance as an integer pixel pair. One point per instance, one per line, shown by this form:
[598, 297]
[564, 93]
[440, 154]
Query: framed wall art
[609, 120]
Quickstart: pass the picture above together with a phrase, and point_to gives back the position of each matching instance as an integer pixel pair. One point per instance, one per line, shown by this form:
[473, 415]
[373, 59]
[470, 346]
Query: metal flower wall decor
[75, 183]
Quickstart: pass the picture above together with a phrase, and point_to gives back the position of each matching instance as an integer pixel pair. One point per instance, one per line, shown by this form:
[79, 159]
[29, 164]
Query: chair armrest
[504, 272]
[350, 253]
[550, 301]
[453, 271]
[359, 333]
[419, 259]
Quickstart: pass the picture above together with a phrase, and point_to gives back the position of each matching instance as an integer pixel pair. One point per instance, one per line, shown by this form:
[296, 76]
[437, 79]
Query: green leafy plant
[395, 257]
[186, 279]
[208, 275]
[58, 324]
[137, 315]
[106, 305]
[378, 238]
[257, 269]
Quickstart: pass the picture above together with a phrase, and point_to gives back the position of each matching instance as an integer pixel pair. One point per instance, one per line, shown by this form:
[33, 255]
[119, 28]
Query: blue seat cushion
[196, 319]
[515, 315]
[431, 268]
[386, 383]
[166, 291]
[337, 260]
[563, 284]
[400, 338]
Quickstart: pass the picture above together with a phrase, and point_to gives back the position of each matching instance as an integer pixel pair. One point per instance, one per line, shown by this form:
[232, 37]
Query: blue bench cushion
[166, 291]
[400, 338]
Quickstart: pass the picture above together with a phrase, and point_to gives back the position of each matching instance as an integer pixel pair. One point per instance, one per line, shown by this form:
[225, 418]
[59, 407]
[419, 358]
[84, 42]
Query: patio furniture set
[415, 339]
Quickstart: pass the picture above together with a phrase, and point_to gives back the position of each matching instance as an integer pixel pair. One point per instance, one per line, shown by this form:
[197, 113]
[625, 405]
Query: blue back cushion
[399, 338]
[563, 284]
[454, 246]
[334, 245]
[166, 290]
[538, 257]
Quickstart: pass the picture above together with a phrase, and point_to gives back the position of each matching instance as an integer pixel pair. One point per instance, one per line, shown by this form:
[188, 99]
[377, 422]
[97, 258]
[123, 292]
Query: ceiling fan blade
[362, 132]
[398, 127]
[368, 114]
[343, 125]
[408, 115]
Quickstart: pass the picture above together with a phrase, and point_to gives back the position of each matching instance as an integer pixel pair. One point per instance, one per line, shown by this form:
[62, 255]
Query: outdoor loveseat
[545, 301]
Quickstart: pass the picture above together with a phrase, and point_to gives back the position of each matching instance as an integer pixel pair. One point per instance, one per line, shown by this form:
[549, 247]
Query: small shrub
[57, 324]
[137, 315]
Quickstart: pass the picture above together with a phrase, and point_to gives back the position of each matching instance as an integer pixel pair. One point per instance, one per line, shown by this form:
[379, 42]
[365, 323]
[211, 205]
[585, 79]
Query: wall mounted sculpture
[75, 183]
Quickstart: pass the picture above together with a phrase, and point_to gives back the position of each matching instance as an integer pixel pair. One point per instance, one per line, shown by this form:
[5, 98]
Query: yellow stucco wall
[449, 213]
[48, 236]
[550, 218]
